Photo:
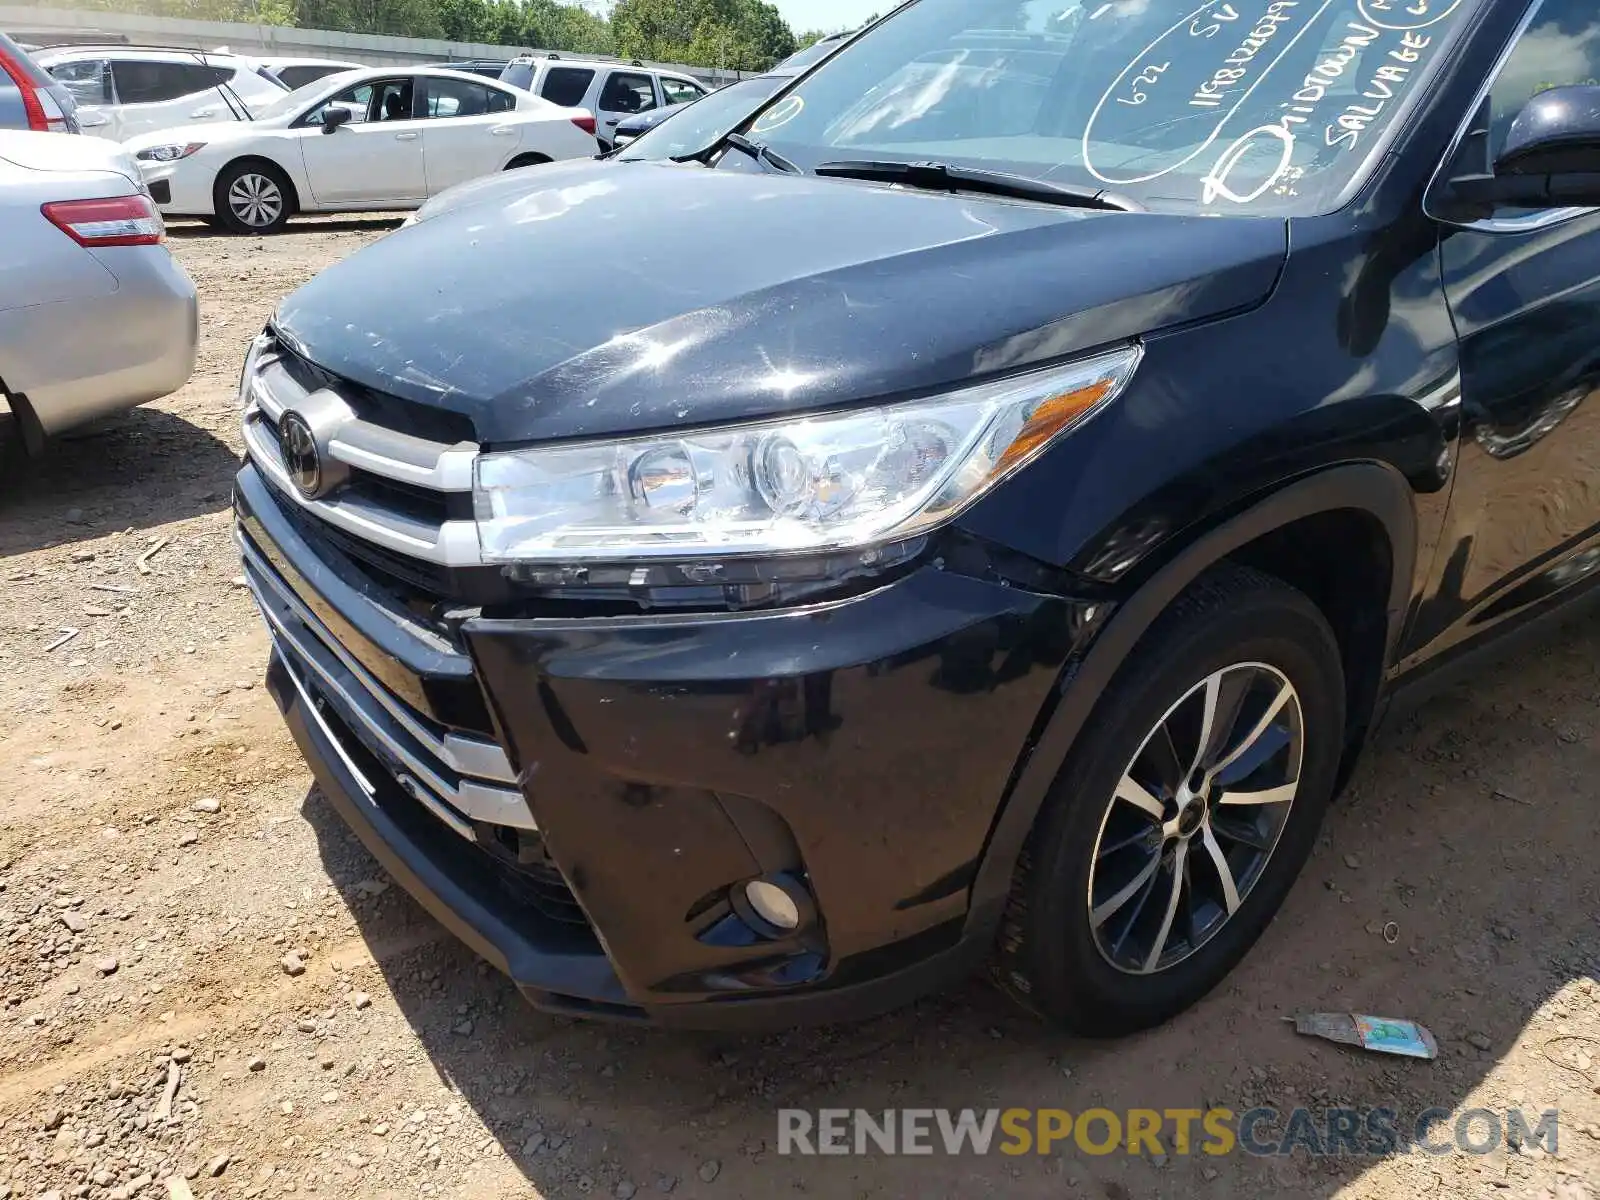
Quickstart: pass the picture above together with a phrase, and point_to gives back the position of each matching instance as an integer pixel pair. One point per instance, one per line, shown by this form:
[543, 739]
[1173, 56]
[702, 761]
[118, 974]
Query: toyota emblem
[301, 459]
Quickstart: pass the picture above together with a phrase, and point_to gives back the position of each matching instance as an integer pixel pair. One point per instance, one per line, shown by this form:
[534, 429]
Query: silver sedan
[95, 315]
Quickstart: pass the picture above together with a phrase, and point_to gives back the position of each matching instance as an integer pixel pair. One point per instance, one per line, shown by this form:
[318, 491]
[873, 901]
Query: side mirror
[1557, 133]
[333, 117]
[1551, 159]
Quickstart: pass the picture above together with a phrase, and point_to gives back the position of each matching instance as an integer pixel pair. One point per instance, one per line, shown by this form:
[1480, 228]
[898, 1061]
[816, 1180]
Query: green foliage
[747, 35]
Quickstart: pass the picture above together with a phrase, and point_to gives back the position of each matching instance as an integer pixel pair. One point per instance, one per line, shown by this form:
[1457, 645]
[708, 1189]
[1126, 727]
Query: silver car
[95, 315]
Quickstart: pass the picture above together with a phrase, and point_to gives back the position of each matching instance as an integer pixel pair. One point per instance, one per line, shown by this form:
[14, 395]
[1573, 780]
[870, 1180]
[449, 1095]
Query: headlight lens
[169, 153]
[798, 485]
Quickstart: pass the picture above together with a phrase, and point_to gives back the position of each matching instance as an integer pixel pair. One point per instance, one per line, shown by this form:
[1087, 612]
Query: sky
[828, 14]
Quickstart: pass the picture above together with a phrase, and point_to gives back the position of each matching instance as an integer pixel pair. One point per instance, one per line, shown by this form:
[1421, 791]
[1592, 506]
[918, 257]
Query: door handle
[92, 120]
[405, 137]
[503, 130]
[613, 121]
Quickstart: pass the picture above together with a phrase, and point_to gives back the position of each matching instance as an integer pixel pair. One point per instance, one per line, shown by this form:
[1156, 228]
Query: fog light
[772, 904]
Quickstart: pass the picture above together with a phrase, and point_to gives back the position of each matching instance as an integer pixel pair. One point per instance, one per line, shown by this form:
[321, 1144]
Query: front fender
[1376, 489]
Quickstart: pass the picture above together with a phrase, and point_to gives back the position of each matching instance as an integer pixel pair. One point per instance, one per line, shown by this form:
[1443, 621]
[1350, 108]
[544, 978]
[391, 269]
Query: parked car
[95, 316]
[735, 102]
[378, 138]
[729, 106]
[985, 521]
[125, 91]
[297, 72]
[613, 91]
[29, 97]
[696, 127]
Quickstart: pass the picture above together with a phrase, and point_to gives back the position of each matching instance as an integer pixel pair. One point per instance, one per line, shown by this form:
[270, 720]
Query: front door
[374, 159]
[1524, 290]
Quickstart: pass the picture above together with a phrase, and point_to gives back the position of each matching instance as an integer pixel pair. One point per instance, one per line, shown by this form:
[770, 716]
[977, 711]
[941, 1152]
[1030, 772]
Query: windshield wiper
[760, 153]
[939, 176]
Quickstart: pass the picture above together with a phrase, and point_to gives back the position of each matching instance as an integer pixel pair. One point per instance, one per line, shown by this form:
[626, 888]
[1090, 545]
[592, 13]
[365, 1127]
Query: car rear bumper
[858, 749]
[79, 360]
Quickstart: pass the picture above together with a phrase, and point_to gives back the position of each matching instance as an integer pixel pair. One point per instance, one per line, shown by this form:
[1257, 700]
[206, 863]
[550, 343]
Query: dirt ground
[142, 933]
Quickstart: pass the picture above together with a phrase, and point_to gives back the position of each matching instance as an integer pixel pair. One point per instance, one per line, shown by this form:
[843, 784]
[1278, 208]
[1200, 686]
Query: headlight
[169, 153]
[799, 485]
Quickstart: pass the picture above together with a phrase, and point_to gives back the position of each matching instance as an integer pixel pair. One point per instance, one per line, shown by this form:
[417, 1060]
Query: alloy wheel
[255, 199]
[1195, 818]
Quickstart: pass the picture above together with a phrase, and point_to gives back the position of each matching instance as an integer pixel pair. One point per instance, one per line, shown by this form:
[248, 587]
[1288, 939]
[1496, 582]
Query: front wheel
[252, 197]
[1185, 813]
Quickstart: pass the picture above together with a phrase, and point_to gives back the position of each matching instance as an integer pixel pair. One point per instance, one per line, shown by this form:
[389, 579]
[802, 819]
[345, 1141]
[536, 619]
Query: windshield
[1258, 106]
[291, 102]
[696, 126]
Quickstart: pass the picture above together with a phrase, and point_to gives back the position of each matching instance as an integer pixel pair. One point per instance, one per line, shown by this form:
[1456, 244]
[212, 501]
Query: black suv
[976, 511]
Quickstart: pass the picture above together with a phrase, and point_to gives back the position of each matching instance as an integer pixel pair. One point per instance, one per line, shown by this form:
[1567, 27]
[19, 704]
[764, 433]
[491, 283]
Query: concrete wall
[375, 49]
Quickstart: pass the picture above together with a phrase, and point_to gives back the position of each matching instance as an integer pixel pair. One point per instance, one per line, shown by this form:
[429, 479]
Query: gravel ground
[205, 980]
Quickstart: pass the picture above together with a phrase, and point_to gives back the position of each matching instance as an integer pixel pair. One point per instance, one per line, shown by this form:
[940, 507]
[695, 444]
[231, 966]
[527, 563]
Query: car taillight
[119, 221]
[585, 123]
[43, 112]
[55, 119]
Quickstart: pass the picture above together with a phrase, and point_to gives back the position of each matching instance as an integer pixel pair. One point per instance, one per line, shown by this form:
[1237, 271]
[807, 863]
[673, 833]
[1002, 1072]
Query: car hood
[615, 298]
[506, 185]
[639, 122]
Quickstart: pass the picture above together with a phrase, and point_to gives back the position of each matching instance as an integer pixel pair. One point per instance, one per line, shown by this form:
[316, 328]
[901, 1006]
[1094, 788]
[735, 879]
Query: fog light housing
[773, 905]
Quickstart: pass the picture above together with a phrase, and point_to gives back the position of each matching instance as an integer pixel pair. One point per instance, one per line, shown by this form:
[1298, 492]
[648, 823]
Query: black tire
[1050, 955]
[252, 177]
[526, 160]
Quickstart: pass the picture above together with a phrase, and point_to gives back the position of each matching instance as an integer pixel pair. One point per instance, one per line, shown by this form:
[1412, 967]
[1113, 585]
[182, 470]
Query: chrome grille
[399, 459]
[461, 779]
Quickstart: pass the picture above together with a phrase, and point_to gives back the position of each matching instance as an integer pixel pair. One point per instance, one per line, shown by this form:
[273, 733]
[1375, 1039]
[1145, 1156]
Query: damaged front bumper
[581, 798]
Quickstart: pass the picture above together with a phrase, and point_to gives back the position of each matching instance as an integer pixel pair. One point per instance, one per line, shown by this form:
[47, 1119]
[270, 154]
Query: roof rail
[139, 46]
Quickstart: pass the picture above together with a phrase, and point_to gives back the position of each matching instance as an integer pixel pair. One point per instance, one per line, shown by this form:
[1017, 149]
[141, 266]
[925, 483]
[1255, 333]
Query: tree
[746, 35]
[464, 20]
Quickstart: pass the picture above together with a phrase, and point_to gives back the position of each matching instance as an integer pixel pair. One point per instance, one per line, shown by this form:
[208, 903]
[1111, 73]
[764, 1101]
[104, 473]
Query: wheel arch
[295, 203]
[527, 158]
[1369, 491]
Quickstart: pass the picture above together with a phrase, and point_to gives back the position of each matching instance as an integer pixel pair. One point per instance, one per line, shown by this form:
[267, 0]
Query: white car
[368, 140]
[297, 72]
[123, 91]
[613, 91]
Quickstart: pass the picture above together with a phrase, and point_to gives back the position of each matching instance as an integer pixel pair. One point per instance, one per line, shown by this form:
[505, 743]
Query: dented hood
[611, 297]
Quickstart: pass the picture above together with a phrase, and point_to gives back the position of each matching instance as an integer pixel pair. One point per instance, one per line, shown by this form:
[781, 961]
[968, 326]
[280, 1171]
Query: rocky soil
[208, 989]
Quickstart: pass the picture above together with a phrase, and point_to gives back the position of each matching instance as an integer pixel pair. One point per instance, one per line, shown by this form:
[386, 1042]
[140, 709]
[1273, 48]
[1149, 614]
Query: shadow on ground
[196, 229]
[136, 470]
[1471, 827]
